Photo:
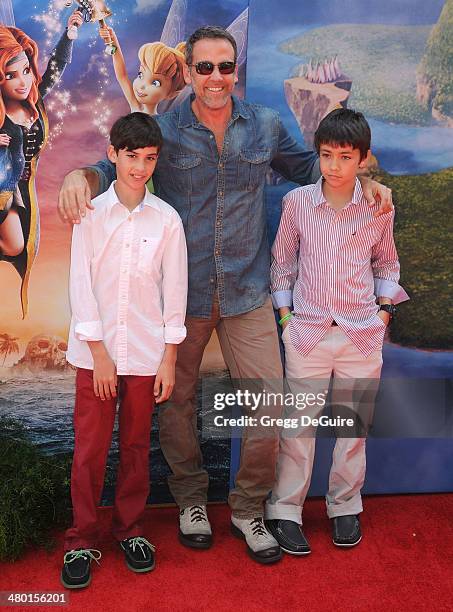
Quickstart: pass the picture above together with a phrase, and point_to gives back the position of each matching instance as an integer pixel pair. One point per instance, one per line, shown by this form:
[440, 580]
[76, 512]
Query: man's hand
[376, 193]
[74, 197]
[165, 377]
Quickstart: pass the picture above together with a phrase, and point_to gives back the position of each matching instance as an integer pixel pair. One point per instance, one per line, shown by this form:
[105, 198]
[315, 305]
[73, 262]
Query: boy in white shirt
[128, 289]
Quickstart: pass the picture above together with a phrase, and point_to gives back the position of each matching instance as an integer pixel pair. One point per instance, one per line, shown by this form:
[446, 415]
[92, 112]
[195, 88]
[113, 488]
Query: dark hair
[208, 31]
[344, 126]
[135, 131]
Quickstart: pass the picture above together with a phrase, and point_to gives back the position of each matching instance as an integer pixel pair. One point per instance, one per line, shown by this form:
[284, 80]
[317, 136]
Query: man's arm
[80, 186]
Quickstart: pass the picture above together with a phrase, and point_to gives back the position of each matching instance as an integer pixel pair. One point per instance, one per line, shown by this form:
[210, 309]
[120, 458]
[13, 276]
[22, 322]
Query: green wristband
[285, 317]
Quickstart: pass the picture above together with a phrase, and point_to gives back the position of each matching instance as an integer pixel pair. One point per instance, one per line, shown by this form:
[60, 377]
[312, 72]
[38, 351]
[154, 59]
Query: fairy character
[160, 75]
[23, 134]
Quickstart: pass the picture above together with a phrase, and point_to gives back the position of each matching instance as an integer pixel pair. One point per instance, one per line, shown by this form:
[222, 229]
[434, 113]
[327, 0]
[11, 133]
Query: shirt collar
[148, 200]
[318, 197]
[187, 117]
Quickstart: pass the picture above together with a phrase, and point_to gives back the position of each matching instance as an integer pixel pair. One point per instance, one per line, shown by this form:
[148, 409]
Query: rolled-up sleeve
[386, 267]
[84, 307]
[284, 256]
[174, 283]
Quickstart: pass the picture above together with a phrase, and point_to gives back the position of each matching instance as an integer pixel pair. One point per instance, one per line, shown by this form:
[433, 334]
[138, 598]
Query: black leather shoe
[139, 554]
[290, 536]
[76, 572]
[346, 530]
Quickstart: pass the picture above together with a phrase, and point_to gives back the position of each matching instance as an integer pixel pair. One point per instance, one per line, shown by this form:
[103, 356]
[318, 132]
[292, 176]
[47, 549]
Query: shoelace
[83, 553]
[258, 527]
[139, 541]
[197, 514]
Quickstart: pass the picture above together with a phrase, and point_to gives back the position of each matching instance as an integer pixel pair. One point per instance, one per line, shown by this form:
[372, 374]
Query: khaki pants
[335, 354]
[250, 348]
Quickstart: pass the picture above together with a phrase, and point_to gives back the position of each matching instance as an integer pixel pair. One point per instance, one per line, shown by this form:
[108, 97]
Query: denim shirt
[220, 199]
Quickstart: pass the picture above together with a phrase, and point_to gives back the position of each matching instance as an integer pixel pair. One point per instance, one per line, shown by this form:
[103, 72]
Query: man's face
[134, 168]
[340, 164]
[212, 90]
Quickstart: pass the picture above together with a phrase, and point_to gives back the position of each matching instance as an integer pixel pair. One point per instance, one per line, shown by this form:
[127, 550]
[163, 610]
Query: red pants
[93, 427]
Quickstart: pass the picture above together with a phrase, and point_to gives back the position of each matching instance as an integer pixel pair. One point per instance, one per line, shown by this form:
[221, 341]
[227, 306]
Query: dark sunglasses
[208, 67]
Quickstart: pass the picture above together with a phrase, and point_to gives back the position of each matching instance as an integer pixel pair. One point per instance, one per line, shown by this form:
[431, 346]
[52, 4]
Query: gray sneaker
[194, 527]
[261, 545]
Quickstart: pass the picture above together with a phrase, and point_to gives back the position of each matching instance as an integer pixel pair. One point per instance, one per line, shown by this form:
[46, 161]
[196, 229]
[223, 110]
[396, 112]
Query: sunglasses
[208, 67]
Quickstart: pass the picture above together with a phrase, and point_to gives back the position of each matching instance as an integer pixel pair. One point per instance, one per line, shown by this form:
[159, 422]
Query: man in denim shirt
[217, 150]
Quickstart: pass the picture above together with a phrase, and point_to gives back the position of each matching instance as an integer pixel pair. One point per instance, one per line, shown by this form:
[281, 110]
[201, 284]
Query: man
[212, 170]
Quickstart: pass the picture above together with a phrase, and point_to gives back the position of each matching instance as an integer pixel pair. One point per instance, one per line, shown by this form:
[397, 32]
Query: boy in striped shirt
[334, 280]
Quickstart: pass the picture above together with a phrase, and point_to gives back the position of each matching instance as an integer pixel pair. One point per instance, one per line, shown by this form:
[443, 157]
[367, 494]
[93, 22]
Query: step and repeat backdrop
[392, 62]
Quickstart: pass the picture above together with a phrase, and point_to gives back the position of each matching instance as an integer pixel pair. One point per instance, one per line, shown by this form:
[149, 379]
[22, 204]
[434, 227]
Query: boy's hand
[165, 377]
[376, 193]
[104, 377]
[384, 316]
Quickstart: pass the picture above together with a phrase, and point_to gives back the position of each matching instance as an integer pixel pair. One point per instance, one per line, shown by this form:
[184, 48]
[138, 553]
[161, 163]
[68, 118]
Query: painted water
[44, 404]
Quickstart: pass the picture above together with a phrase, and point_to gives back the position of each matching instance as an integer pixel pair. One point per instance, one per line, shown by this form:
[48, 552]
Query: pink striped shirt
[332, 266]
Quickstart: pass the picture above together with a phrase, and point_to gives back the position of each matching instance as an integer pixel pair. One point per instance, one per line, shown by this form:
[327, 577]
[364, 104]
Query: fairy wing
[6, 13]
[238, 28]
[174, 30]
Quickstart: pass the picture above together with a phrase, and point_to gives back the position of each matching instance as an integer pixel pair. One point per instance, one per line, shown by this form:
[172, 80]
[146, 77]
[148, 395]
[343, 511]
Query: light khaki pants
[351, 371]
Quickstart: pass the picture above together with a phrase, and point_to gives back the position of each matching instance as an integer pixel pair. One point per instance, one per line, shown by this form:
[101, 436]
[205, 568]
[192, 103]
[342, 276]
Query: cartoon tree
[8, 345]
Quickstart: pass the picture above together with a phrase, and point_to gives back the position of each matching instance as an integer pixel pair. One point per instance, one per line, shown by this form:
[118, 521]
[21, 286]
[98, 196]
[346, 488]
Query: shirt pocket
[148, 256]
[252, 167]
[186, 172]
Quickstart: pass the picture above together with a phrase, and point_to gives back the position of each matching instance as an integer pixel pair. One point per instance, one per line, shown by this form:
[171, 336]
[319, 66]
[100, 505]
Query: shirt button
[220, 193]
[211, 280]
[211, 136]
[127, 245]
[218, 223]
[217, 252]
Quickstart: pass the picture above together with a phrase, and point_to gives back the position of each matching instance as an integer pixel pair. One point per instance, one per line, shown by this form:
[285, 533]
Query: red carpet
[404, 562]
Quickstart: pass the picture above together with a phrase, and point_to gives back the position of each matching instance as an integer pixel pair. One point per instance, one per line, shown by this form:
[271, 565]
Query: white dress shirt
[332, 266]
[128, 283]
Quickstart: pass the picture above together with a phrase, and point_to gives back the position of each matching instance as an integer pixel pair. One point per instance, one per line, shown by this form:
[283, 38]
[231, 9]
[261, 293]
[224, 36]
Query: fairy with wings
[160, 83]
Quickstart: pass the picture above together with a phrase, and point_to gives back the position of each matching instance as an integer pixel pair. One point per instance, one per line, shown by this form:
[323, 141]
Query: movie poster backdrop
[393, 63]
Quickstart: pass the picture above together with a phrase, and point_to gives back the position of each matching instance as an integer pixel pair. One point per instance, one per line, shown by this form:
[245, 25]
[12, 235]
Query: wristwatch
[390, 308]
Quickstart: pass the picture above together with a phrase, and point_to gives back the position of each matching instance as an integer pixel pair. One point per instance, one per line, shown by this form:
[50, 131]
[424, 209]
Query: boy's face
[134, 168]
[340, 164]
